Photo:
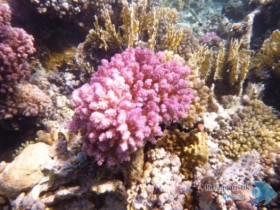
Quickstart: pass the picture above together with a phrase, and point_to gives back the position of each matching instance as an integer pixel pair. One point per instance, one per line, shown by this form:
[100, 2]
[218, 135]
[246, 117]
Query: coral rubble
[163, 186]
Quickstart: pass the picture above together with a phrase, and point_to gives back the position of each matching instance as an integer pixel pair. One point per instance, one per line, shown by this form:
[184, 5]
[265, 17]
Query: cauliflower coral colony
[138, 104]
[127, 100]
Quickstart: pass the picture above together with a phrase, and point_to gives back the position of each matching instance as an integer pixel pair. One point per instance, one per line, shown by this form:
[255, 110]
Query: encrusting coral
[190, 147]
[244, 134]
[145, 130]
[53, 60]
[126, 101]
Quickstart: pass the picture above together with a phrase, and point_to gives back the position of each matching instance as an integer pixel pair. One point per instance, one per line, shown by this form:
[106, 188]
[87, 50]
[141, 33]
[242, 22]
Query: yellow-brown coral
[200, 104]
[55, 59]
[138, 26]
[189, 43]
[253, 127]
[224, 68]
[269, 54]
[190, 147]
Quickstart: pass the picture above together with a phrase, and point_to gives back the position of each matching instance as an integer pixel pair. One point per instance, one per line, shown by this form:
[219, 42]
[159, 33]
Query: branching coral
[225, 67]
[269, 53]
[15, 48]
[126, 101]
[200, 60]
[229, 65]
[31, 100]
[28, 100]
[138, 26]
[189, 43]
[173, 38]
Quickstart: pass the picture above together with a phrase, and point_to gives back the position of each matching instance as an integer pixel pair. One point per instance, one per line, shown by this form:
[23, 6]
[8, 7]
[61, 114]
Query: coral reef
[18, 98]
[64, 181]
[32, 101]
[163, 186]
[126, 101]
[58, 85]
[244, 170]
[201, 103]
[15, 48]
[138, 104]
[234, 10]
[201, 15]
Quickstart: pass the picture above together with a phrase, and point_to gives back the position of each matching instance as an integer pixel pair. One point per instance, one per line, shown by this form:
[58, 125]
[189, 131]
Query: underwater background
[144, 104]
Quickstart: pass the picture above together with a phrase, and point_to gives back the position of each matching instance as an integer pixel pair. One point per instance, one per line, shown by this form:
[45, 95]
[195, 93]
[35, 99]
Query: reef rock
[25, 171]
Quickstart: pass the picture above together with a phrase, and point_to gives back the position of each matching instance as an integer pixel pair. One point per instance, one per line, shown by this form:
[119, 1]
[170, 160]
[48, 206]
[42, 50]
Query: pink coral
[126, 101]
[5, 15]
[27, 100]
[15, 48]
[32, 101]
[211, 39]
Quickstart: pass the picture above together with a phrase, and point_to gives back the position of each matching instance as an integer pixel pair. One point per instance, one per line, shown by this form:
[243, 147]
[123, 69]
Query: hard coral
[32, 101]
[27, 100]
[59, 8]
[190, 147]
[163, 186]
[138, 26]
[244, 134]
[269, 52]
[126, 101]
[15, 47]
[5, 15]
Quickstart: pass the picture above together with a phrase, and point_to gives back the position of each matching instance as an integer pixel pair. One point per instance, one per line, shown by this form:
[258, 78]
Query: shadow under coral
[15, 132]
